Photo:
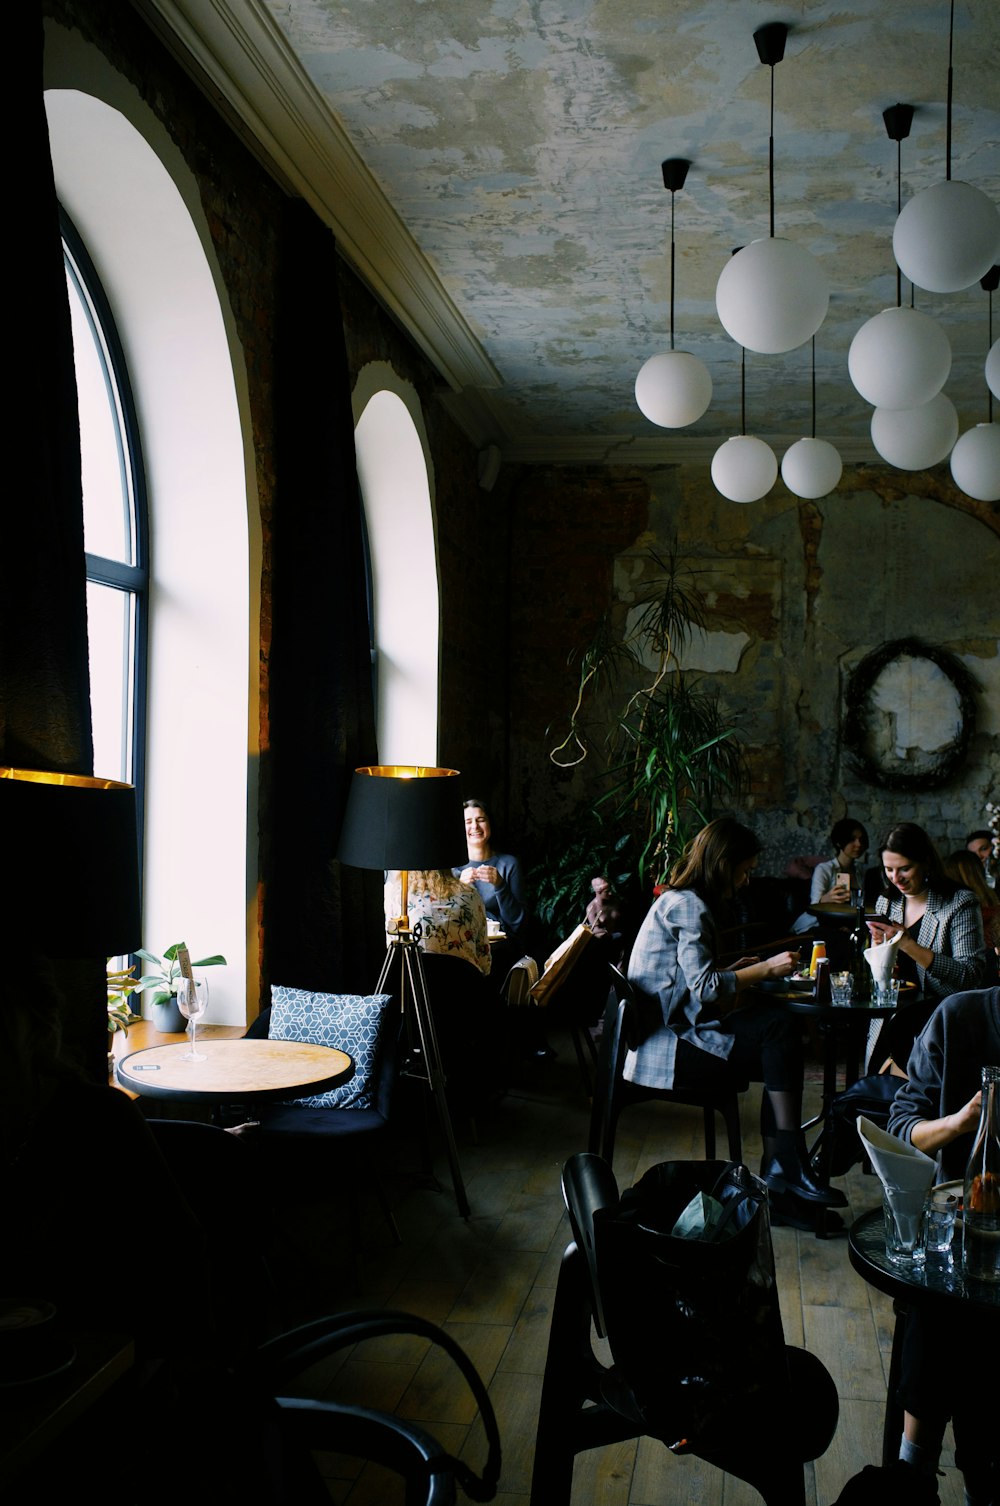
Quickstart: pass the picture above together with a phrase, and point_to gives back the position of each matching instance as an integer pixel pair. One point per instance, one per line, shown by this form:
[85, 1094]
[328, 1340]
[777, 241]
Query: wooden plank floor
[490, 1281]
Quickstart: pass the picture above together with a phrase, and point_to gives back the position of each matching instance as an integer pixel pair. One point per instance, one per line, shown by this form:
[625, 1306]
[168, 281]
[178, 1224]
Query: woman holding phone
[941, 944]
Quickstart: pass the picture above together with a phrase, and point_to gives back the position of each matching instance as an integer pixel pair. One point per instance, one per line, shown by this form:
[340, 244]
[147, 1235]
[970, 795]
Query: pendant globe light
[811, 467]
[744, 468]
[901, 358]
[975, 460]
[948, 236]
[673, 389]
[912, 439]
[772, 296]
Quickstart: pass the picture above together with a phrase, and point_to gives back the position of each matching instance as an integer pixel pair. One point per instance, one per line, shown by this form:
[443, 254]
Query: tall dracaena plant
[670, 752]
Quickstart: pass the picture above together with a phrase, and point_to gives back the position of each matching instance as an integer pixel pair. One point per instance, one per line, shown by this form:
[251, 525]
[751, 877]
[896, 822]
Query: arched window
[404, 599]
[114, 521]
[138, 210]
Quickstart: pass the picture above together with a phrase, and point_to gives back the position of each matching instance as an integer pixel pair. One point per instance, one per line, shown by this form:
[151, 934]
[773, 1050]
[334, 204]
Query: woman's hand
[781, 964]
[884, 930]
[485, 873]
[749, 970]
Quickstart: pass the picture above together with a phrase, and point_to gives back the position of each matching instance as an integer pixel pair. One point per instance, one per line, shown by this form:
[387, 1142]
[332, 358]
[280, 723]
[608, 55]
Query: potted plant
[121, 985]
[671, 751]
[163, 981]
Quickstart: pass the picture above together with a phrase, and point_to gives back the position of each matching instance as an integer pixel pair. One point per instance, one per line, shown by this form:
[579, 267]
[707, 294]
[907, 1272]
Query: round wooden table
[241, 1068]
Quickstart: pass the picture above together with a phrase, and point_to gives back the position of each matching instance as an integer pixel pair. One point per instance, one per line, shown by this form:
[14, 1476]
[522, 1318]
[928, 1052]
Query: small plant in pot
[164, 1013]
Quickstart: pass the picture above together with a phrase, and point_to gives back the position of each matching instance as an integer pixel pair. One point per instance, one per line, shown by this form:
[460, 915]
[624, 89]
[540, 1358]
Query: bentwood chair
[623, 1027]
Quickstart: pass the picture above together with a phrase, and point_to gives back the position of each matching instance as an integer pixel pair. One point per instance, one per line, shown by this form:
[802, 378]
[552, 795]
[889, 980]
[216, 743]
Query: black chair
[216, 1173]
[585, 1404]
[319, 1145]
[622, 1025]
[302, 1425]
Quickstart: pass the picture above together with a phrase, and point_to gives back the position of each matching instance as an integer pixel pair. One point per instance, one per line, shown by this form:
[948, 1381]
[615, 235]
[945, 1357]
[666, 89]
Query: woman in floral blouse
[451, 915]
[470, 1024]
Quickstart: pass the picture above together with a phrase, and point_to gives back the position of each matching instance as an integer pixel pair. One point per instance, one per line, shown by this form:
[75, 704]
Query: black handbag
[839, 1145]
[694, 1325]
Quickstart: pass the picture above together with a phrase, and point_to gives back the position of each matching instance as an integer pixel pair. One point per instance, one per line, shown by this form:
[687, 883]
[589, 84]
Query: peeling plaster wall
[795, 595]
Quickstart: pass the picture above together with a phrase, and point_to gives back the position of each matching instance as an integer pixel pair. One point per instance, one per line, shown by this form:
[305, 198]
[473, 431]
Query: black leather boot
[788, 1171]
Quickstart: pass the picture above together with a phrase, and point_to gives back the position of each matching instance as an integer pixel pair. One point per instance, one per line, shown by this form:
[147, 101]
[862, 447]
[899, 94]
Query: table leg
[892, 1427]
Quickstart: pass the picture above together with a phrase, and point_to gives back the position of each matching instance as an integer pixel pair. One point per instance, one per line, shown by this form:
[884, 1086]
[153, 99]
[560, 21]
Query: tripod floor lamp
[408, 816]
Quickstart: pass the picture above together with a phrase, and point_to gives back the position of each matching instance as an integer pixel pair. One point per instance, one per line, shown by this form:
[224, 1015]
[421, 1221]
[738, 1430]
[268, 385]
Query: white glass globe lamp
[772, 296]
[744, 468]
[975, 463]
[673, 389]
[901, 358]
[914, 438]
[947, 237]
[811, 468]
[993, 369]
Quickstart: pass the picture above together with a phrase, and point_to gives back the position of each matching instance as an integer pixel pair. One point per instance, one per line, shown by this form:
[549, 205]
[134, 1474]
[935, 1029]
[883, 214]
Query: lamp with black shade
[70, 874]
[403, 816]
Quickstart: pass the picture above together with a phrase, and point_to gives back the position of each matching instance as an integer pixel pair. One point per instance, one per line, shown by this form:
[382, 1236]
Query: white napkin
[904, 1171]
[900, 1166]
[881, 958]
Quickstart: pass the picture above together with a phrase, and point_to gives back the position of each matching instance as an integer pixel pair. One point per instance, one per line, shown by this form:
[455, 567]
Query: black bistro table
[938, 1285]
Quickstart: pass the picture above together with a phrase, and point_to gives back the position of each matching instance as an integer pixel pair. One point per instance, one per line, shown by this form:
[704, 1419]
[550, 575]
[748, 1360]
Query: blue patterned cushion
[350, 1022]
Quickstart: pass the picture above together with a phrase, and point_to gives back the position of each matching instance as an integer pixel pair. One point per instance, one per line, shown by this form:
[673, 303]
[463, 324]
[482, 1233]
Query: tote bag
[694, 1325]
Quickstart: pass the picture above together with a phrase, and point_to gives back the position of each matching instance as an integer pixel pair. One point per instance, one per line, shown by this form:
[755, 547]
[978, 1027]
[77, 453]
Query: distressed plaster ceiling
[492, 169]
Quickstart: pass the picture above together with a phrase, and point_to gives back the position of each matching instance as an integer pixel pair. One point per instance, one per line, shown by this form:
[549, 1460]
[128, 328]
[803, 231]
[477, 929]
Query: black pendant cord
[899, 210]
[951, 37]
[672, 197]
[813, 344]
[743, 390]
[989, 283]
[770, 170]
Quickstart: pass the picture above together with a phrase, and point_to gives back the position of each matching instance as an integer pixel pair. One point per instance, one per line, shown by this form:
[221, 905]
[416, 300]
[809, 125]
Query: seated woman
[831, 884]
[942, 948]
[456, 964]
[496, 875]
[706, 1035]
[965, 869]
[842, 872]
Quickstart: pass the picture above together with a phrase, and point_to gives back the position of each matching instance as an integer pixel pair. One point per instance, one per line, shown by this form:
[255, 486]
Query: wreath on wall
[949, 761]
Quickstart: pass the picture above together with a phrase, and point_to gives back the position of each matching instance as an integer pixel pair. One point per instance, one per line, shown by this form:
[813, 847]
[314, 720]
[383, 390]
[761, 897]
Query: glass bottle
[860, 941]
[981, 1199]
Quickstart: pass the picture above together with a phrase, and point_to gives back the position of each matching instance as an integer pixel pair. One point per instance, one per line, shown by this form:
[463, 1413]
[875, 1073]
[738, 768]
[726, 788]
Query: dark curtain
[44, 672]
[323, 922]
[45, 700]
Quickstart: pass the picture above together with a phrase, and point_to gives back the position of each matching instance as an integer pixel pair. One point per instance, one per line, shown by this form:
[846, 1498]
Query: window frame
[116, 574]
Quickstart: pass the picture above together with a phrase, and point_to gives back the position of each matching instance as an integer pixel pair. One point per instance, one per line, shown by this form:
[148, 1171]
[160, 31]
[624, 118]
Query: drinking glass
[887, 994]
[940, 1214]
[842, 988]
[903, 1211]
[192, 1001]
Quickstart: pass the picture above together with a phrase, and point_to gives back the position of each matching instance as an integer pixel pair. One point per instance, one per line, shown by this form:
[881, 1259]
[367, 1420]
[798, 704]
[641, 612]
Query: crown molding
[237, 55]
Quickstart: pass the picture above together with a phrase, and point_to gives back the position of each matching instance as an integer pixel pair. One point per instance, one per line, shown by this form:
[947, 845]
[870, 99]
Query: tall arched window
[114, 521]
[138, 209]
[404, 598]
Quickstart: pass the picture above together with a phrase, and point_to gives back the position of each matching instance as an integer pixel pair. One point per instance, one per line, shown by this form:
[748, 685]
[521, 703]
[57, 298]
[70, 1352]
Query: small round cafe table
[235, 1069]
[936, 1285]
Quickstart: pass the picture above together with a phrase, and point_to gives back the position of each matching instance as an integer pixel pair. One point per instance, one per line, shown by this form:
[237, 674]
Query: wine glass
[192, 1001]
